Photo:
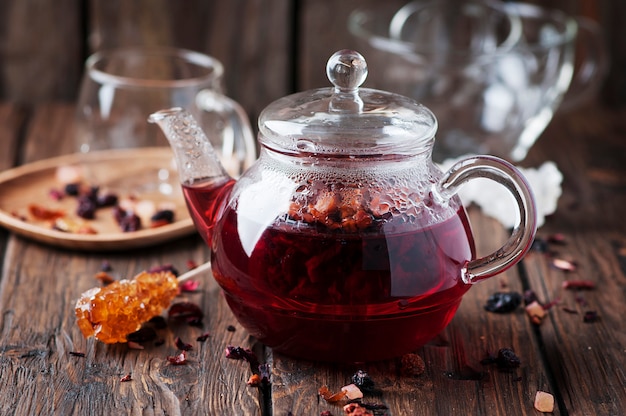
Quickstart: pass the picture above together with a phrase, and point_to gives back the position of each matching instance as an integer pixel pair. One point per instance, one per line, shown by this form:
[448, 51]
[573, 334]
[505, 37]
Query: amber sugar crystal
[112, 312]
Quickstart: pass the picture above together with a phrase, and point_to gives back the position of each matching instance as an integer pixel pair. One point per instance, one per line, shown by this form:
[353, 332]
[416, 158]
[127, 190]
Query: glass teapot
[343, 242]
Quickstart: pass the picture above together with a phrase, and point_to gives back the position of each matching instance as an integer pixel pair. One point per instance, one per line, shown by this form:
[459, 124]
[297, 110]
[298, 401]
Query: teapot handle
[523, 234]
[227, 126]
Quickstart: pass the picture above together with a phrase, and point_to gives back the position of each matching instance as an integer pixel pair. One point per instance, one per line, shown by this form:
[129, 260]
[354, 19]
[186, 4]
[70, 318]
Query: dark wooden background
[269, 47]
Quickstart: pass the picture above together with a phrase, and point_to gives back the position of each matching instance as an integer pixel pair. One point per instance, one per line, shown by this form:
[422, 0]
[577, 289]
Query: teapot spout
[196, 158]
[206, 185]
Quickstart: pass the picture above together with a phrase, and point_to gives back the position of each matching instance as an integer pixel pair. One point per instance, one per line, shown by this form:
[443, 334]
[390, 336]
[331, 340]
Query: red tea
[332, 296]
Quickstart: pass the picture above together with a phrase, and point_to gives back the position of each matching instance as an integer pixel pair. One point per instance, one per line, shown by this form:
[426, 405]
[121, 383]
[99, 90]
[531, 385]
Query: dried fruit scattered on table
[330, 397]
[355, 409]
[565, 265]
[364, 382]
[181, 345]
[254, 380]
[186, 311]
[535, 312]
[506, 359]
[503, 302]
[544, 402]
[591, 317]
[77, 354]
[111, 313]
[42, 213]
[126, 378]
[579, 285]
[352, 392]
[179, 359]
[412, 365]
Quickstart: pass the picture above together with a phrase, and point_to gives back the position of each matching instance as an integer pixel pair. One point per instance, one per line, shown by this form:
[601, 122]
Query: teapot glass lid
[346, 119]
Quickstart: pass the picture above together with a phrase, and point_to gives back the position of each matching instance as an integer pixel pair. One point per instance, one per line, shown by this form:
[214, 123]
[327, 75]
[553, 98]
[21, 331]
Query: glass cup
[122, 87]
[493, 73]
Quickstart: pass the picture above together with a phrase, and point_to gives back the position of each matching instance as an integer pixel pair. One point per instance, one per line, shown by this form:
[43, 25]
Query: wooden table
[581, 364]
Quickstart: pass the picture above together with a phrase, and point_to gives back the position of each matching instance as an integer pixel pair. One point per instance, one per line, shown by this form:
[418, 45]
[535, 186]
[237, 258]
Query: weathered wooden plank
[586, 359]
[40, 50]
[12, 119]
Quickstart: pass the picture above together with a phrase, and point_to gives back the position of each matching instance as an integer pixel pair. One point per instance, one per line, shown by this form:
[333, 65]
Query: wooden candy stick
[194, 272]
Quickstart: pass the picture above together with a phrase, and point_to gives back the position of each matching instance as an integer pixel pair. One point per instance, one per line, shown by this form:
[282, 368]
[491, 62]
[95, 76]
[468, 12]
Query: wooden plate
[124, 172]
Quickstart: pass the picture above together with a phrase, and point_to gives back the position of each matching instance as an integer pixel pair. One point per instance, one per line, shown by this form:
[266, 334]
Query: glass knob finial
[347, 70]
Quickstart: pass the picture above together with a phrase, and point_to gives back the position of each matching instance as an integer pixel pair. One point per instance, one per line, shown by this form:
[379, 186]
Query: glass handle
[523, 234]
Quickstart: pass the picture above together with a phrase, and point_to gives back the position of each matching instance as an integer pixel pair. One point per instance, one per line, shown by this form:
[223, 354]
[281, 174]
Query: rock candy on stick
[112, 312]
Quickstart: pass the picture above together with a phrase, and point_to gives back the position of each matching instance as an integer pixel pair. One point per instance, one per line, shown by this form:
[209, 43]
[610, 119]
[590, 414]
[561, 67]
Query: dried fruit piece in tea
[503, 302]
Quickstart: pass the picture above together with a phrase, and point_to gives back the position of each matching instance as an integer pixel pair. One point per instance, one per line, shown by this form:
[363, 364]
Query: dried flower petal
[126, 378]
[189, 285]
[179, 359]
[591, 317]
[240, 353]
[203, 337]
[134, 345]
[42, 213]
[544, 402]
[77, 354]
[579, 285]
[186, 311]
[327, 395]
[565, 265]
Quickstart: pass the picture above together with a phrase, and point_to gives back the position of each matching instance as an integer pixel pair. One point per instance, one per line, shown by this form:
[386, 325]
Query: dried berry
[86, 207]
[72, 189]
[231, 328]
[505, 360]
[364, 382]
[189, 285]
[126, 378]
[503, 302]
[579, 285]
[355, 409]
[166, 215]
[591, 317]
[106, 200]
